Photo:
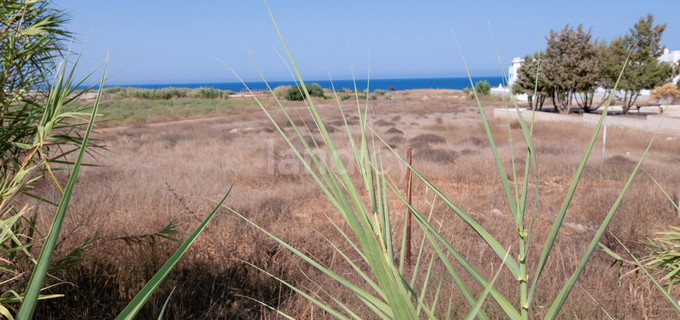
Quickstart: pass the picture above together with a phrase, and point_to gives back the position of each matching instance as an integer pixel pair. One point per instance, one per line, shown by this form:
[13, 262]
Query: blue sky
[175, 41]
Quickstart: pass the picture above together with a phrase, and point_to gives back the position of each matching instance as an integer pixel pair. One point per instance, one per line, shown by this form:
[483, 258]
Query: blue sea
[383, 84]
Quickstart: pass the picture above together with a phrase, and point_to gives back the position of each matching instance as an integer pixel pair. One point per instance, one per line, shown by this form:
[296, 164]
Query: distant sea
[384, 84]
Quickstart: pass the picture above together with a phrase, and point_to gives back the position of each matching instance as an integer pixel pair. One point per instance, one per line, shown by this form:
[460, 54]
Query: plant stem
[523, 277]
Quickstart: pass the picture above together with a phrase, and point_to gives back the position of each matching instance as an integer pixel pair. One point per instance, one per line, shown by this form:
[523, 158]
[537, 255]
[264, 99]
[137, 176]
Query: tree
[643, 70]
[296, 94]
[571, 68]
[526, 80]
[611, 59]
[483, 87]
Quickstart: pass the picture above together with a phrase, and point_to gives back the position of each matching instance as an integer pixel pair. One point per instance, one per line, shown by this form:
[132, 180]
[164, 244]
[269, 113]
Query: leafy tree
[611, 59]
[571, 68]
[526, 80]
[296, 94]
[483, 87]
[643, 70]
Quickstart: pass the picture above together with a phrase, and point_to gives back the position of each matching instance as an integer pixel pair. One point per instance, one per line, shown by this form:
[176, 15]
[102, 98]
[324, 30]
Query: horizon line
[294, 80]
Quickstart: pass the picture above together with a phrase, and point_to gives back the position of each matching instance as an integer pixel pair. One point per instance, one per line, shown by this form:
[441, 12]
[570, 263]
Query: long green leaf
[668, 297]
[478, 306]
[40, 271]
[552, 235]
[564, 293]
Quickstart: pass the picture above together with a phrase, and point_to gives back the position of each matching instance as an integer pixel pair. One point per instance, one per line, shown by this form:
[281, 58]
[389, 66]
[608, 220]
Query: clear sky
[175, 41]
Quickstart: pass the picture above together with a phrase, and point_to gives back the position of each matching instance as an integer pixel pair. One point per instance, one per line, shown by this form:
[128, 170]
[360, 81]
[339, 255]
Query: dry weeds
[154, 174]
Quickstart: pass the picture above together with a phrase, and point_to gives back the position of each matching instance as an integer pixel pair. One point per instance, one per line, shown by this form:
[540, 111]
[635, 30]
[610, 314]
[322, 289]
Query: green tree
[296, 94]
[611, 57]
[483, 87]
[571, 68]
[643, 70]
[526, 80]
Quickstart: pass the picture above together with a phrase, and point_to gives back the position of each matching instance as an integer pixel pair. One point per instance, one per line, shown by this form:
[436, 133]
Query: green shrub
[296, 93]
[208, 93]
[483, 87]
[379, 92]
[345, 97]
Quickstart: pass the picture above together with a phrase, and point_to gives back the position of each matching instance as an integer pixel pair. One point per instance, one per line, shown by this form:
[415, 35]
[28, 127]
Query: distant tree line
[574, 65]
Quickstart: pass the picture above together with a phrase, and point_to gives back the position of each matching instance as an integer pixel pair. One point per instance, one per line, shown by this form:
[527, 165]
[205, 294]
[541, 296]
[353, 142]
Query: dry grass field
[162, 171]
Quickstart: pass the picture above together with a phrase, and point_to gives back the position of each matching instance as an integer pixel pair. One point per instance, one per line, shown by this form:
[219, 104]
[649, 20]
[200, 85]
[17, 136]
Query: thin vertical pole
[408, 214]
[604, 136]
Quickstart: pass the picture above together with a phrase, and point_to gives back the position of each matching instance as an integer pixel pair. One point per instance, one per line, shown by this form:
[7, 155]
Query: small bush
[440, 156]
[345, 97]
[382, 123]
[395, 131]
[667, 93]
[296, 93]
[280, 91]
[379, 92]
[483, 87]
[428, 138]
[208, 93]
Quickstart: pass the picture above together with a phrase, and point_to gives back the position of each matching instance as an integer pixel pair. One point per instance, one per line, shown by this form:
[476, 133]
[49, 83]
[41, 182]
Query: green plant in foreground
[55, 108]
[391, 291]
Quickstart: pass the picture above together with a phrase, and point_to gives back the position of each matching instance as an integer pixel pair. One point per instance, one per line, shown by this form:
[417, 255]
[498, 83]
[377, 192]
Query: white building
[512, 70]
[671, 57]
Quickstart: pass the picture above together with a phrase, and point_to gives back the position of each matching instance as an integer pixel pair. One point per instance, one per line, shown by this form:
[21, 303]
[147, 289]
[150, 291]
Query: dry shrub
[428, 138]
[620, 161]
[382, 123]
[280, 92]
[394, 131]
[395, 141]
[550, 149]
[467, 152]
[668, 93]
[274, 207]
[202, 290]
[439, 156]
[477, 142]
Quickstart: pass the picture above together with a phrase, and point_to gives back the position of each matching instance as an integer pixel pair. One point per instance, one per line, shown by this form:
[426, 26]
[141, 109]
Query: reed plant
[58, 114]
[376, 255]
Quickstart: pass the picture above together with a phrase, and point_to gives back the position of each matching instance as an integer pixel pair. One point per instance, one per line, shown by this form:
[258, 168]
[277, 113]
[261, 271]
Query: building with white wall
[512, 70]
[671, 57]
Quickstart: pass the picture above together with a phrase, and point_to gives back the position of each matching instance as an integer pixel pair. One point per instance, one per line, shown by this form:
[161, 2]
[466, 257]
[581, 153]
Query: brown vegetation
[175, 172]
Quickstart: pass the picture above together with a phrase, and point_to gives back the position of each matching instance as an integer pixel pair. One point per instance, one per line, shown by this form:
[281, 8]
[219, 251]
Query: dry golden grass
[175, 171]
